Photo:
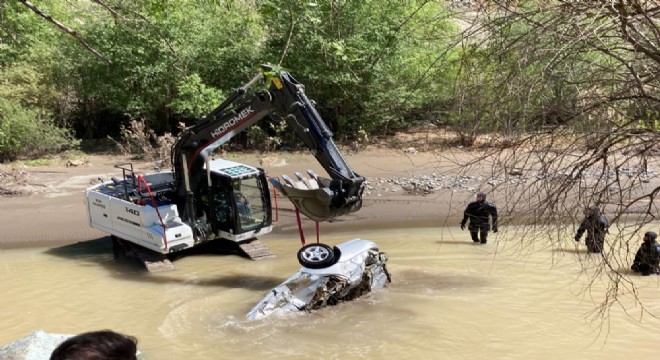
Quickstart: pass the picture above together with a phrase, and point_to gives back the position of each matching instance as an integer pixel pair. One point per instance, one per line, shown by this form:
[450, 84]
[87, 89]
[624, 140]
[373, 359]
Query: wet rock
[9, 192]
[36, 346]
[74, 163]
[425, 184]
[272, 161]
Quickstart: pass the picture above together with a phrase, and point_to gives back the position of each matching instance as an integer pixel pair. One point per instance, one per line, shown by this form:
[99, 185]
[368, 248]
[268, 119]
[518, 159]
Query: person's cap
[482, 194]
[650, 235]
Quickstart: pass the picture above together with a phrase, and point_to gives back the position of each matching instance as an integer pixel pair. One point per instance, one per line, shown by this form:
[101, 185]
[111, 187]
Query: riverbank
[44, 204]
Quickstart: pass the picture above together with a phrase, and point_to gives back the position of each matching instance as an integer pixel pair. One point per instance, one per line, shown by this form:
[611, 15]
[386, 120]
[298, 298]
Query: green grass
[37, 162]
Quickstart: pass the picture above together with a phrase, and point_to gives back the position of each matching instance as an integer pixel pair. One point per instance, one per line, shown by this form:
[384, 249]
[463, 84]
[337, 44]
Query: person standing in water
[480, 213]
[596, 225]
[647, 259]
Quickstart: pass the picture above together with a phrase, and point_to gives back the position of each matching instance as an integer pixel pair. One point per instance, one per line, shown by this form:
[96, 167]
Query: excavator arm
[324, 198]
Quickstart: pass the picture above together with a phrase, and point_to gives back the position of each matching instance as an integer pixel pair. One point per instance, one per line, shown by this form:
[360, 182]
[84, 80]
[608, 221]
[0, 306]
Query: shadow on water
[419, 281]
[576, 250]
[456, 242]
[572, 251]
[243, 281]
[626, 271]
[98, 252]
[629, 272]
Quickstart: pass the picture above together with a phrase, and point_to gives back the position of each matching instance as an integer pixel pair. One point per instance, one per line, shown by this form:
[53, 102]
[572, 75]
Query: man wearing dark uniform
[596, 226]
[479, 212]
[647, 258]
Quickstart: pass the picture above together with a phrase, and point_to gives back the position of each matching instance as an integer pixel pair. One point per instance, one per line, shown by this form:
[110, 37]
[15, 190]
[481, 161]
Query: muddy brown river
[449, 299]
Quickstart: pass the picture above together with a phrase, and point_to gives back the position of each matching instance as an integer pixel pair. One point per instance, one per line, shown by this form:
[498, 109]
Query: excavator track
[152, 261]
[256, 250]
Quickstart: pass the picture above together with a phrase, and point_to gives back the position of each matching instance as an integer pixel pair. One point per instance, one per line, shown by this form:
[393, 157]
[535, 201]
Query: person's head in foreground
[97, 345]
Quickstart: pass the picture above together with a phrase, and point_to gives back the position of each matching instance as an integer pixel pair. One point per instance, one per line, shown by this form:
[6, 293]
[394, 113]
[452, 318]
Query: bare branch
[67, 30]
[155, 29]
[107, 7]
[292, 26]
[575, 90]
[620, 10]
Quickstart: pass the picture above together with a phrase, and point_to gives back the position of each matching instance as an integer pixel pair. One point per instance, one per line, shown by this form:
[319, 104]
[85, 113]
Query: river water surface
[449, 299]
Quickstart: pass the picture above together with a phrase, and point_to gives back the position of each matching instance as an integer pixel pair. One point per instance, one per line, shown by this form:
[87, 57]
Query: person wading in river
[647, 258]
[596, 225]
[479, 212]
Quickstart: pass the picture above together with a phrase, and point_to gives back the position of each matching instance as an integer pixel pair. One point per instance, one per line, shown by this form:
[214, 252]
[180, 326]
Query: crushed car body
[329, 275]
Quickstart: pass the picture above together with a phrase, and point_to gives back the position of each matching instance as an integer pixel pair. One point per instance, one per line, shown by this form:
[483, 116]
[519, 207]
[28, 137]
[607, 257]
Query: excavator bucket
[318, 198]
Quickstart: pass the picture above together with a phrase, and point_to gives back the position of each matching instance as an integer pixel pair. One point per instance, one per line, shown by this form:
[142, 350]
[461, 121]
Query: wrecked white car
[329, 275]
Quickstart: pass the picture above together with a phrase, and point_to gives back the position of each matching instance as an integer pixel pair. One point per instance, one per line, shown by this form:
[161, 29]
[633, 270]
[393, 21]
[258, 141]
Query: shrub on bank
[29, 133]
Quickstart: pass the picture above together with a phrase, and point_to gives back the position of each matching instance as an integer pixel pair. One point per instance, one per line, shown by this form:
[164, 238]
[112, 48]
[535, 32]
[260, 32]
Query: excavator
[204, 198]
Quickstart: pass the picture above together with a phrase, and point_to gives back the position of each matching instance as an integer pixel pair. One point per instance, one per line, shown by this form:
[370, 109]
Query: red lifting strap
[300, 230]
[155, 205]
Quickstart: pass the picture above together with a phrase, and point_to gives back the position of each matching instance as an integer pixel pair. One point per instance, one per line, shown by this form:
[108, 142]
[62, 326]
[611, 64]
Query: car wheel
[316, 256]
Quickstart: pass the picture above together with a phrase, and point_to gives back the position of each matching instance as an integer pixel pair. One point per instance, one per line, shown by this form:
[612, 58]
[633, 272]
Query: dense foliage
[372, 66]
[27, 132]
[368, 64]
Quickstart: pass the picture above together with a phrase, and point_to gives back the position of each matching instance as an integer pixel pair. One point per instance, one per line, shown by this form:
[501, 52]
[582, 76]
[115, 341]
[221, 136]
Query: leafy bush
[26, 133]
[195, 98]
[370, 65]
[143, 143]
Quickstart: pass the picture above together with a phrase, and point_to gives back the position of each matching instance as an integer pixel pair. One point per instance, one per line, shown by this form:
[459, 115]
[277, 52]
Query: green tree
[29, 133]
[164, 62]
[28, 95]
[153, 49]
[369, 64]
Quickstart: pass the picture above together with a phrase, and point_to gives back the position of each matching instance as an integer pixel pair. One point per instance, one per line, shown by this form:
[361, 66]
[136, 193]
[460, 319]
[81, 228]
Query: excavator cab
[236, 203]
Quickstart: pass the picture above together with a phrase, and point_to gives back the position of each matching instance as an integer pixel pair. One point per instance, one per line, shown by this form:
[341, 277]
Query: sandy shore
[48, 207]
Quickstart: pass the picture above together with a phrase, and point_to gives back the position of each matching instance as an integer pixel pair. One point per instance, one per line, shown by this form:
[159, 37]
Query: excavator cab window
[237, 205]
[222, 207]
[250, 206]
[214, 204]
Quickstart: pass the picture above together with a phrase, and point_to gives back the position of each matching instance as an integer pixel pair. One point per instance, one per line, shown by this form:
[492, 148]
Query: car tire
[316, 256]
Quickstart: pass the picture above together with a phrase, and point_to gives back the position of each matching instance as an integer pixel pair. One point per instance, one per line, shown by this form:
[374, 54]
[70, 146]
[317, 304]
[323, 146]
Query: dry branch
[66, 29]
